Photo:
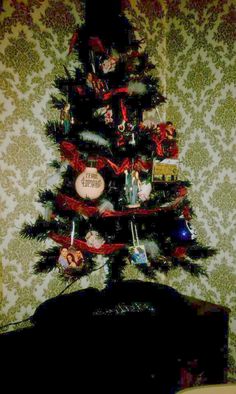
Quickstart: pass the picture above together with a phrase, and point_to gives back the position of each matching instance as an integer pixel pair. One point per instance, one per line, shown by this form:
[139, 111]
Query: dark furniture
[130, 335]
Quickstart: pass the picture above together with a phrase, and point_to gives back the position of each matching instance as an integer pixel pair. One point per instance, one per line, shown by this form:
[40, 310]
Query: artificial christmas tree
[120, 196]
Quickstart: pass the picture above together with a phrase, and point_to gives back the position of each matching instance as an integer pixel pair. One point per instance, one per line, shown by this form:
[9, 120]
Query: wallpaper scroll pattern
[192, 44]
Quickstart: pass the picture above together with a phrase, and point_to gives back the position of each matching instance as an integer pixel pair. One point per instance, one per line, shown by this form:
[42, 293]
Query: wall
[192, 45]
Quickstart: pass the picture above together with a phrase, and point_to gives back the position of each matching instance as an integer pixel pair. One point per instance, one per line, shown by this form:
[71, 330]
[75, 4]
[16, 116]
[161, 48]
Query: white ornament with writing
[89, 184]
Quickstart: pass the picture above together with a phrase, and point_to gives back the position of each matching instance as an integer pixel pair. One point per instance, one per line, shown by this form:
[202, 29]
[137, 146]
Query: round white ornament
[89, 184]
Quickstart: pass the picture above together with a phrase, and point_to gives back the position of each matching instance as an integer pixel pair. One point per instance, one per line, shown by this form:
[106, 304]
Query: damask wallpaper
[192, 44]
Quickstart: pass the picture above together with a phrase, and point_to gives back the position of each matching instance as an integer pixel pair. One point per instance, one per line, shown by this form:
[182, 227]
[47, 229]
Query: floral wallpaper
[192, 44]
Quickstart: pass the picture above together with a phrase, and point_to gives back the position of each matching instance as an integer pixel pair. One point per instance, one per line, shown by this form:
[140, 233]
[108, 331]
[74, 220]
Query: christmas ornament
[145, 190]
[165, 170]
[105, 112]
[94, 239]
[66, 117]
[96, 84]
[132, 188]
[105, 205]
[130, 130]
[137, 252]
[179, 252]
[182, 231]
[90, 184]
[89, 136]
[109, 65]
[170, 147]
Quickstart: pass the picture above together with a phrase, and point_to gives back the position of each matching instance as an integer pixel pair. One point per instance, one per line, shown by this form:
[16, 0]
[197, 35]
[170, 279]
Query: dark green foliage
[46, 196]
[200, 252]
[41, 229]
[55, 164]
[48, 259]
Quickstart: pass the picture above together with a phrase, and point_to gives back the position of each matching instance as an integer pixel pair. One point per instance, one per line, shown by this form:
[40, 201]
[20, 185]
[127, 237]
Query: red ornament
[80, 90]
[179, 252]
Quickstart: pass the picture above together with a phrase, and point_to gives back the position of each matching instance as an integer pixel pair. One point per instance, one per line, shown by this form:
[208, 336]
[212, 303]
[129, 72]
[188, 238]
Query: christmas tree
[120, 200]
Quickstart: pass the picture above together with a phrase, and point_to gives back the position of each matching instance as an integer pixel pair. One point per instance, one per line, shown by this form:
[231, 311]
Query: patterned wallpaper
[192, 44]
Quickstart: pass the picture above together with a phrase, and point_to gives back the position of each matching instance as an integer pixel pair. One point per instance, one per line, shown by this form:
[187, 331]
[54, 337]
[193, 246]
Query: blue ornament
[181, 231]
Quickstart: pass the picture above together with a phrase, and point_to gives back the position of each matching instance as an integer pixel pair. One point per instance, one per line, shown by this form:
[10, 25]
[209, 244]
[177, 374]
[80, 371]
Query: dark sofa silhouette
[130, 335]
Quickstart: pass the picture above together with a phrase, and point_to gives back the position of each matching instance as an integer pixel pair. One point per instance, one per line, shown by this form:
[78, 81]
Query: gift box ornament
[165, 170]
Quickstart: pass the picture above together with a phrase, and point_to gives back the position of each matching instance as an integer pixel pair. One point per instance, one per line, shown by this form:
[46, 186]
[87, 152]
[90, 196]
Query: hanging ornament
[145, 191]
[130, 130]
[74, 258]
[109, 65]
[94, 239]
[170, 144]
[165, 170]
[182, 231]
[89, 184]
[137, 252]
[106, 113]
[66, 117]
[96, 85]
[179, 252]
[132, 188]
[70, 258]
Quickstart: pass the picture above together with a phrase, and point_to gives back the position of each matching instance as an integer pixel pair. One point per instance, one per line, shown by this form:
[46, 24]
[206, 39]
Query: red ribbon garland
[108, 95]
[82, 245]
[69, 203]
[70, 152]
